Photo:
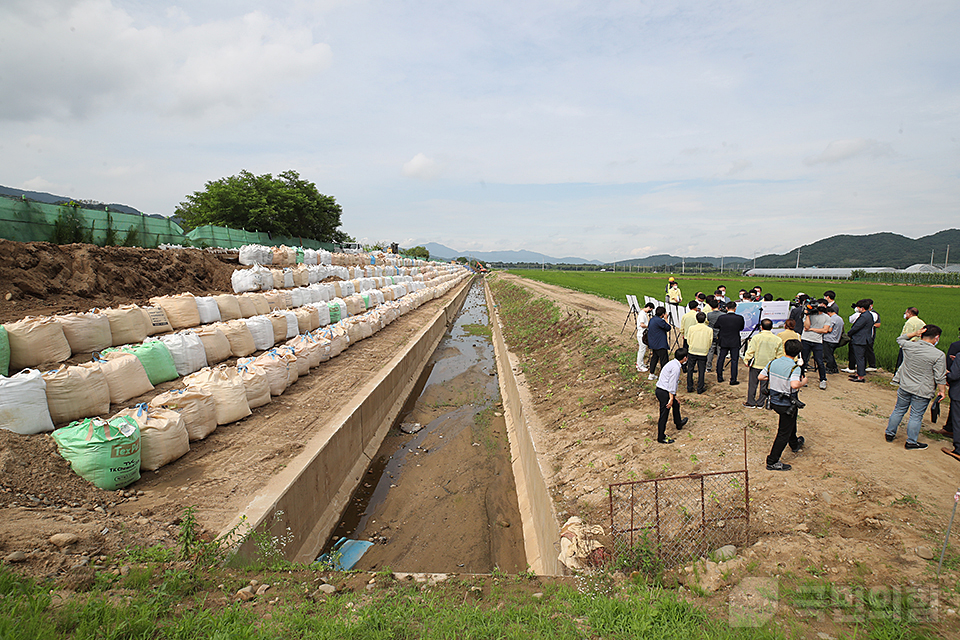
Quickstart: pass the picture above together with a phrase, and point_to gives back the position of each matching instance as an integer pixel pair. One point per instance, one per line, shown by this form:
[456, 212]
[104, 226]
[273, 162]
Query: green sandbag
[104, 452]
[155, 358]
[4, 352]
[299, 255]
[366, 299]
[334, 312]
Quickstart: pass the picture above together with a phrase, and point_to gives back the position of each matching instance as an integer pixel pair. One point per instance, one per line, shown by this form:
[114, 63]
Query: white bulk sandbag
[229, 307]
[187, 350]
[262, 331]
[181, 310]
[309, 257]
[209, 310]
[195, 406]
[260, 303]
[36, 341]
[163, 435]
[307, 319]
[215, 344]
[256, 384]
[76, 392]
[293, 325]
[86, 332]
[126, 377]
[239, 337]
[23, 403]
[243, 280]
[323, 313]
[126, 324]
[155, 320]
[228, 392]
[297, 298]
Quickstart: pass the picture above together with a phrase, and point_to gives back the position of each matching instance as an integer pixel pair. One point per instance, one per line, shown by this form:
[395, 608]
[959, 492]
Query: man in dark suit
[953, 417]
[861, 333]
[728, 327]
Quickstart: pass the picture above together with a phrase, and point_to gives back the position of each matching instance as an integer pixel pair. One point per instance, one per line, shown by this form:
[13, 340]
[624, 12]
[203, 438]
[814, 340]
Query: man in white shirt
[666, 393]
[642, 319]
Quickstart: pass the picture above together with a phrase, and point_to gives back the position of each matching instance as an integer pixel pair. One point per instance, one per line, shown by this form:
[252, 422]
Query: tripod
[633, 311]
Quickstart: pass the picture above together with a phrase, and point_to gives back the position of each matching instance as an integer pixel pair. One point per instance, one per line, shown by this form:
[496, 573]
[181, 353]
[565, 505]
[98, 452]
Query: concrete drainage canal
[440, 494]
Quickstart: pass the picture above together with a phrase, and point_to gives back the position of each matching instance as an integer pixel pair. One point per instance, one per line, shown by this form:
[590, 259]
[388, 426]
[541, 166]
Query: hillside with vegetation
[873, 250]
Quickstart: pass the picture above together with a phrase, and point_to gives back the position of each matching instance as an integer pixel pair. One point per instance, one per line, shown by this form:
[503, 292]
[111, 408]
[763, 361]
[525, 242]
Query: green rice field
[937, 305]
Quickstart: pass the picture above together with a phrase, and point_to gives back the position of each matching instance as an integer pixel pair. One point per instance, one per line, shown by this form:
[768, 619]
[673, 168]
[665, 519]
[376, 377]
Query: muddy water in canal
[443, 499]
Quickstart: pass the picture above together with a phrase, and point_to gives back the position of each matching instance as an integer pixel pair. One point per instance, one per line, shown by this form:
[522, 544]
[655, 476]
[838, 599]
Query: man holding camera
[811, 340]
[784, 379]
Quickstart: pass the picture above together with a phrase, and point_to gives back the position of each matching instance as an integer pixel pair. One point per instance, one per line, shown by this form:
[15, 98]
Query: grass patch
[477, 330]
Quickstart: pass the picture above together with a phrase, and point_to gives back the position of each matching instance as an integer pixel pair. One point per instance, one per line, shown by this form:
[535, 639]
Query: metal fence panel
[680, 518]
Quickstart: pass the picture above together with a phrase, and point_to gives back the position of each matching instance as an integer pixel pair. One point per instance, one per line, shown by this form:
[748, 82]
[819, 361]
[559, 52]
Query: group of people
[777, 364]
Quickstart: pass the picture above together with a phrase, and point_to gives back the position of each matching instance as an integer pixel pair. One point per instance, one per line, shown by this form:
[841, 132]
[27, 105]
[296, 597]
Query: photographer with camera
[784, 379]
[811, 340]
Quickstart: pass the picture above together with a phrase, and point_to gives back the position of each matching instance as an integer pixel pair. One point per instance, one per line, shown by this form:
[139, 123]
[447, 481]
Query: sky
[602, 130]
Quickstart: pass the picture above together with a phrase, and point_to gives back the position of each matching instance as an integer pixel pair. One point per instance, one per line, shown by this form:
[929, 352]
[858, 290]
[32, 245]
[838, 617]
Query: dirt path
[850, 498]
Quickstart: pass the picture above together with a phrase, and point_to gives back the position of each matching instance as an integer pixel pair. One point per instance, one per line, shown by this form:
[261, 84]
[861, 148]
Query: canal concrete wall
[541, 533]
[302, 504]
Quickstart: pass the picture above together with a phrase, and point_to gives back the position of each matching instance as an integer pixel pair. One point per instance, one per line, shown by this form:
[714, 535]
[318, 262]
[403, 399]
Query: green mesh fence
[29, 221]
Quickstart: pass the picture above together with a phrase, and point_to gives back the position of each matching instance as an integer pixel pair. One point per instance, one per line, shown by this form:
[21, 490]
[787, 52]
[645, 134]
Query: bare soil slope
[854, 507]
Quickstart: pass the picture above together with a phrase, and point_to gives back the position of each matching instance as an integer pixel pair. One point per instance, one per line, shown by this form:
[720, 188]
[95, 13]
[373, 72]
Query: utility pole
[946, 259]
[931, 257]
[721, 264]
[683, 265]
[798, 257]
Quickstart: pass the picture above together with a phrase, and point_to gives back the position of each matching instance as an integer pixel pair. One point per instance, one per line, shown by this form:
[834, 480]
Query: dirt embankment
[39, 278]
[854, 507]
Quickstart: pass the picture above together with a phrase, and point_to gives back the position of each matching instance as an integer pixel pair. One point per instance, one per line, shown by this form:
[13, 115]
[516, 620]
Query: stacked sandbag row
[251, 254]
[259, 278]
[131, 370]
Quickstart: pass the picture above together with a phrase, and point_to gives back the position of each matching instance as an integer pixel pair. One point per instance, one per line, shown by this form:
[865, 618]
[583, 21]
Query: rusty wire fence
[673, 520]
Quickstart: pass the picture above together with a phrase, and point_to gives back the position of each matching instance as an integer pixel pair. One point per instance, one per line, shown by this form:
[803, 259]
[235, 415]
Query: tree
[286, 205]
[420, 252]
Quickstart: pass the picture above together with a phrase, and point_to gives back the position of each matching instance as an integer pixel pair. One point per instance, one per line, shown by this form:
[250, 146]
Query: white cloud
[38, 184]
[422, 167]
[74, 59]
[840, 150]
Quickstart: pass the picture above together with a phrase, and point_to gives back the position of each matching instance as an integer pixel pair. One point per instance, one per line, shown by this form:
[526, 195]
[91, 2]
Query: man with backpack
[784, 378]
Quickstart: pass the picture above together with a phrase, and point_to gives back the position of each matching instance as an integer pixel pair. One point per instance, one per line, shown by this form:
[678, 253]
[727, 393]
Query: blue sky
[605, 130]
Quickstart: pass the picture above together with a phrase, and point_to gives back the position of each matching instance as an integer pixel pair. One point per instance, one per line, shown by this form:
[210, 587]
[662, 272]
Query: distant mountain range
[49, 198]
[440, 251]
[873, 250]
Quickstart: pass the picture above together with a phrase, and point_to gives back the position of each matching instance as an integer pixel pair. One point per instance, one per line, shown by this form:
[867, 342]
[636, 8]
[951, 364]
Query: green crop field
[937, 305]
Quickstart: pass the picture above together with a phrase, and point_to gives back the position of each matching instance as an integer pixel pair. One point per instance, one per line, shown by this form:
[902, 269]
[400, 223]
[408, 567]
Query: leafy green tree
[286, 205]
[420, 252]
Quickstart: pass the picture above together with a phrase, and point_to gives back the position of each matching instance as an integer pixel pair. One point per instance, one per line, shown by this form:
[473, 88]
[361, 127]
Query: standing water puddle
[443, 499]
